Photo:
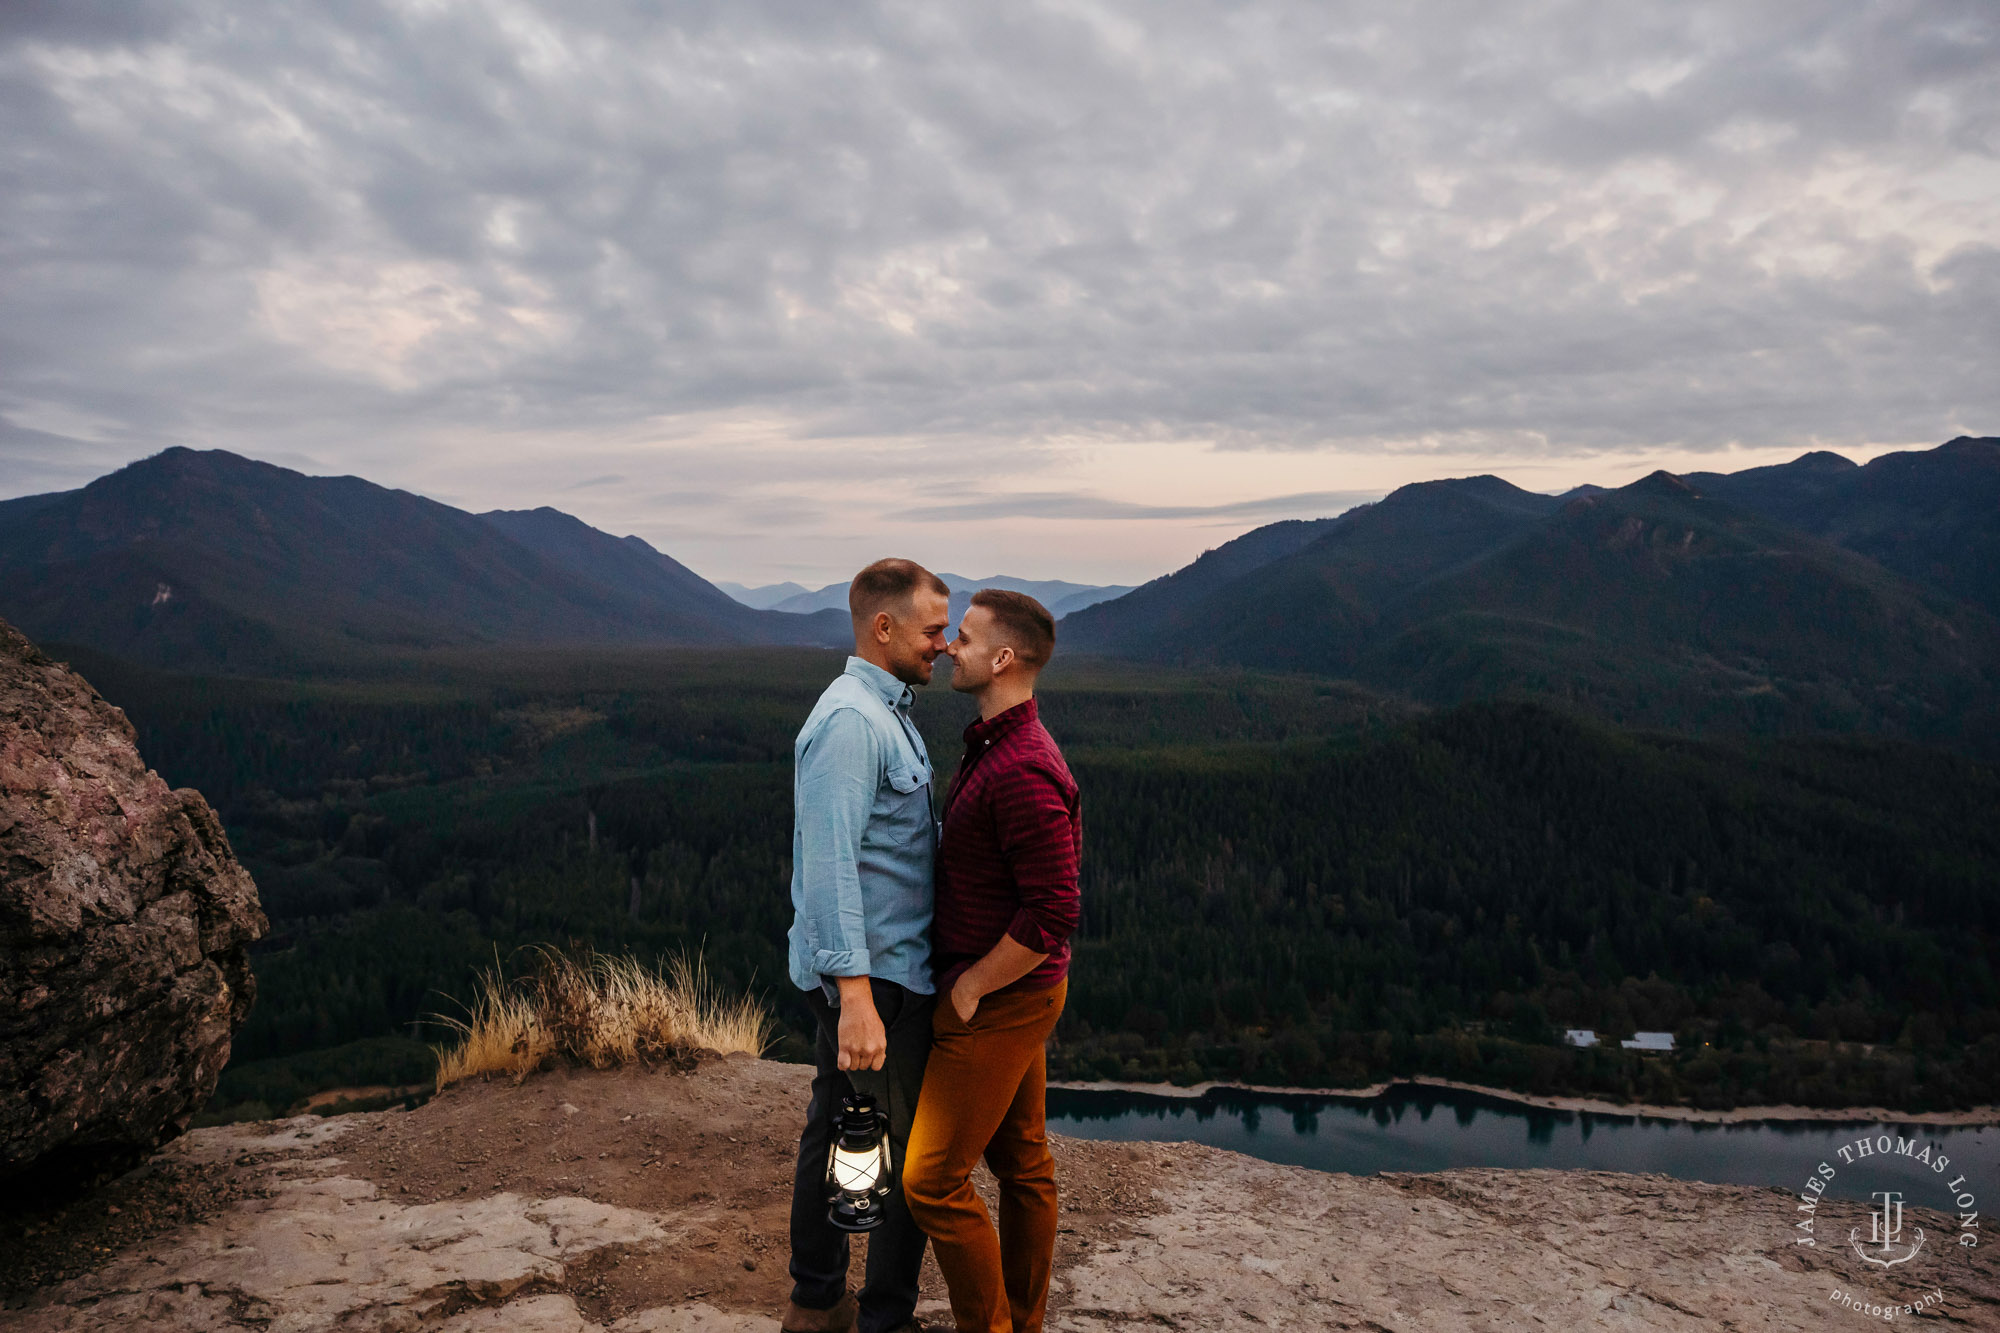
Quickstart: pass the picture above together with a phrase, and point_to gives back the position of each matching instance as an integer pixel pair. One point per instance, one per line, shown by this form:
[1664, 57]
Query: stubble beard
[916, 671]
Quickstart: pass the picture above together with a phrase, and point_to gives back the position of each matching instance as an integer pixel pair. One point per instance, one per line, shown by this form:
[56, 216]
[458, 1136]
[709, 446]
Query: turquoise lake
[1413, 1127]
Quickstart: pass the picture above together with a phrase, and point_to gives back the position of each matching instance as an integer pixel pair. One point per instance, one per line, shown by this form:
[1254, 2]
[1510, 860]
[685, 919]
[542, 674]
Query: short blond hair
[890, 585]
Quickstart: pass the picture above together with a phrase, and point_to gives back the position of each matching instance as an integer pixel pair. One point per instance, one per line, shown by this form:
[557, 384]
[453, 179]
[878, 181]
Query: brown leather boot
[840, 1319]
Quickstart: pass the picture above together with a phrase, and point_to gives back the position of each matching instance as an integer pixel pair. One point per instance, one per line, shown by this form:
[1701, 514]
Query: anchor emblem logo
[1885, 1229]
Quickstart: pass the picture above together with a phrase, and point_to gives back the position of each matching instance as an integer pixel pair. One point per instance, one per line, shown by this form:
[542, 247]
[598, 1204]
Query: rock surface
[320, 1249]
[635, 1202]
[124, 925]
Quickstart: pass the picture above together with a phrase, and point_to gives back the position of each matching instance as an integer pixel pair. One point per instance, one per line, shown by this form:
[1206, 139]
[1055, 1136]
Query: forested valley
[1288, 880]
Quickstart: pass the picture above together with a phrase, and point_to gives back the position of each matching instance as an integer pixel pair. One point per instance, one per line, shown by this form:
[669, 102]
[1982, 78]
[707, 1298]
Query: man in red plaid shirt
[1006, 903]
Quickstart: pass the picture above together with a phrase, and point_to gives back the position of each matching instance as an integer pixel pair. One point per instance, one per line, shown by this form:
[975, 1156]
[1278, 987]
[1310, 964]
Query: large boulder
[125, 922]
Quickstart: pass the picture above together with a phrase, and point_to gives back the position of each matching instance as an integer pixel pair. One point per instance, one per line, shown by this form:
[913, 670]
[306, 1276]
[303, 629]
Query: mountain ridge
[1932, 515]
[1813, 593]
[204, 558]
[1060, 596]
[1669, 601]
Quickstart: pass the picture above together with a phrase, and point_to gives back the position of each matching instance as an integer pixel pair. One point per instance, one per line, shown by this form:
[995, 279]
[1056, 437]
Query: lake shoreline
[1978, 1115]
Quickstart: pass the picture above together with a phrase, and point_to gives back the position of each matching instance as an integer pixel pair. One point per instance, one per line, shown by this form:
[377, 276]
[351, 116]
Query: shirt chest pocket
[905, 798]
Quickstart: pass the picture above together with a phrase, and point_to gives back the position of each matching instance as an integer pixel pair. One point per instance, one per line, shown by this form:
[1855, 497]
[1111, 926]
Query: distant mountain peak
[1448, 495]
[1971, 444]
[1663, 483]
[180, 461]
[181, 457]
[1485, 484]
[1824, 460]
[1059, 595]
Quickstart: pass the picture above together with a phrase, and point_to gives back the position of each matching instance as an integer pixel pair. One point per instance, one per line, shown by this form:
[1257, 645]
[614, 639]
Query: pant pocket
[946, 1018]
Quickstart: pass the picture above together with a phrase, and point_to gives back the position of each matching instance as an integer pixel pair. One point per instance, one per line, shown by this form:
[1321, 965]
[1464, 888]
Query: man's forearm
[1004, 964]
[863, 1042]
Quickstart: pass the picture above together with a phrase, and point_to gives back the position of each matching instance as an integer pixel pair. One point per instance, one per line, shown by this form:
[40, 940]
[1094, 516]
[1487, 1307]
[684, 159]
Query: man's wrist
[854, 990]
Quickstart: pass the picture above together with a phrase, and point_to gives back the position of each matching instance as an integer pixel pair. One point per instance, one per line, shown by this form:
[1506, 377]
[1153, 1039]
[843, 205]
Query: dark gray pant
[896, 1247]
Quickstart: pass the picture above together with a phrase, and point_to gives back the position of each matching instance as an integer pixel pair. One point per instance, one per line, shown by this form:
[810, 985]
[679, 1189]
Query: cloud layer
[759, 261]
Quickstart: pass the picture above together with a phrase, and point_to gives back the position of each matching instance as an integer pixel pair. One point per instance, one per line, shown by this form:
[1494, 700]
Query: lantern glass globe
[856, 1172]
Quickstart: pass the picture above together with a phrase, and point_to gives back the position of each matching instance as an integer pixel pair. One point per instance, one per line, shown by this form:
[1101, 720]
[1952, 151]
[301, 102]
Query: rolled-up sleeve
[1037, 822]
[837, 781]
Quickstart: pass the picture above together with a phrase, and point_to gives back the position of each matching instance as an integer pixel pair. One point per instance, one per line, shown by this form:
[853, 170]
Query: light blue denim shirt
[863, 838]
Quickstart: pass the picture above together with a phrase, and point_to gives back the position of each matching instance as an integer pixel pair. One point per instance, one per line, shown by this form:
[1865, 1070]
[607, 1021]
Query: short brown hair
[888, 585]
[1024, 622]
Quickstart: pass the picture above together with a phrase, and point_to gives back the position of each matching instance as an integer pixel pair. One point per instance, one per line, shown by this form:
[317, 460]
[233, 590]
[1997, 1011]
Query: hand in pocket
[964, 1001]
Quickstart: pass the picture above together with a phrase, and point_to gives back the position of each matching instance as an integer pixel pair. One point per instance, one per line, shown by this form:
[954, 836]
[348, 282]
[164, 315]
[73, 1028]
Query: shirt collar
[993, 728]
[893, 692]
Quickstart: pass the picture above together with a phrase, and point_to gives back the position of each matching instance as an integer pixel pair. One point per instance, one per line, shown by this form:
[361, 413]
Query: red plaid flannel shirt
[1010, 853]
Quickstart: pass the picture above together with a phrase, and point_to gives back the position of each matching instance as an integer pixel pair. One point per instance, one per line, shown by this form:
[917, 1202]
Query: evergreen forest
[1288, 880]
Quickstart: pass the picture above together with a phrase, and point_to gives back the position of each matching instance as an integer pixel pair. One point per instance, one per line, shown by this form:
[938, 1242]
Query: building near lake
[1580, 1037]
[1649, 1041]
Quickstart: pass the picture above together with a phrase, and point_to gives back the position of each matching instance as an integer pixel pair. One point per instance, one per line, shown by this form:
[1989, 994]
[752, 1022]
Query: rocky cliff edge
[652, 1202]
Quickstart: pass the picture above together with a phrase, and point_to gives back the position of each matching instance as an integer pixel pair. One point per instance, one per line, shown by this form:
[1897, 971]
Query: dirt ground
[667, 1142]
[717, 1143]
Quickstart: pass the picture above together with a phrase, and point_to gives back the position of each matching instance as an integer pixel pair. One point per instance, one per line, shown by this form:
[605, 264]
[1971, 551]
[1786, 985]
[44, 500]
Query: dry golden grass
[599, 1012]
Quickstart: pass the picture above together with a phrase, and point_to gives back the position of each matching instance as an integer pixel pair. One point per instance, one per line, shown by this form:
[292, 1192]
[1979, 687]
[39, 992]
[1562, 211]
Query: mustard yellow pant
[983, 1097]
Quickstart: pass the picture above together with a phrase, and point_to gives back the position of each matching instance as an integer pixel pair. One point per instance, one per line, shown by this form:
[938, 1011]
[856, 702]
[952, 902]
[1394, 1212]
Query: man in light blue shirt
[864, 840]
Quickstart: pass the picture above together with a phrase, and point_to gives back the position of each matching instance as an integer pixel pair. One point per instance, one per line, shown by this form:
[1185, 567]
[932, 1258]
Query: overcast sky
[1059, 290]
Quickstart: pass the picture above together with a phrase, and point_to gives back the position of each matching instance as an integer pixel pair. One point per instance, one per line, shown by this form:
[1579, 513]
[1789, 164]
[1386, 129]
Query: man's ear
[885, 626]
[1003, 659]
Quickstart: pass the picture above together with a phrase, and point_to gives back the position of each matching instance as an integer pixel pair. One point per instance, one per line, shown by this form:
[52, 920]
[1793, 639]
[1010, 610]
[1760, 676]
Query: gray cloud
[33, 461]
[1524, 229]
[1056, 505]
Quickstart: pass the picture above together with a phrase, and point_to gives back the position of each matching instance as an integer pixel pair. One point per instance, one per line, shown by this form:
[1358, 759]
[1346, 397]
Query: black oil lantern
[858, 1168]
